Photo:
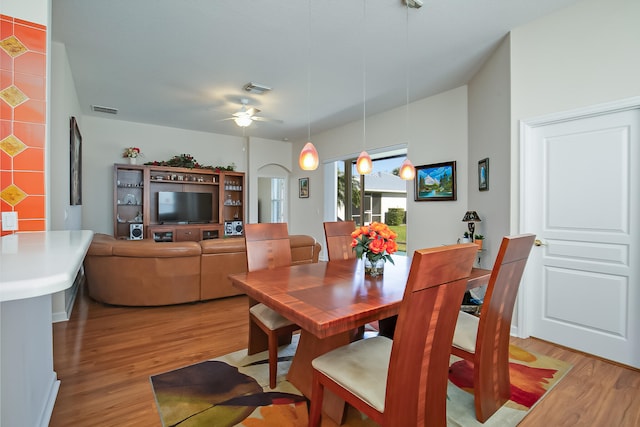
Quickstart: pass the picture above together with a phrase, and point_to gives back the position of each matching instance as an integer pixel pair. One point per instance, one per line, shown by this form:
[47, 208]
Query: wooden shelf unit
[135, 200]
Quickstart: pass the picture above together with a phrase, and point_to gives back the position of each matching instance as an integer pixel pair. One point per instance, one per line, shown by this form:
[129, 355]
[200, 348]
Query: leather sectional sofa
[148, 273]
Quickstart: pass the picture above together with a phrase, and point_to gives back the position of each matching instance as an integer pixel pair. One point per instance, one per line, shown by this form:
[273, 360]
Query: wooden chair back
[491, 359]
[267, 246]
[418, 370]
[338, 235]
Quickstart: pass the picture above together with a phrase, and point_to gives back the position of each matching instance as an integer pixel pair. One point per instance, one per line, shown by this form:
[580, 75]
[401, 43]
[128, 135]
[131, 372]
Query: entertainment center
[172, 204]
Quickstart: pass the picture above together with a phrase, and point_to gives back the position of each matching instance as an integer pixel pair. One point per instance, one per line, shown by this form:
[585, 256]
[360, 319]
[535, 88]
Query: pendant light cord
[407, 76]
[364, 74]
[309, 72]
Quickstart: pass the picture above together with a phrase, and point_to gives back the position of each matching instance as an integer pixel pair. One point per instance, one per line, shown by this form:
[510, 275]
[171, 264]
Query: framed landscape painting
[435, 182]
[303, 188]
[483, 174]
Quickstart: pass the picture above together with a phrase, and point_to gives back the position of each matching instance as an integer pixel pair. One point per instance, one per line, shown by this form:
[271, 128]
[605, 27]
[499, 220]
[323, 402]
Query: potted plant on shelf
[479, 238]
[466, 237]
[132, 154]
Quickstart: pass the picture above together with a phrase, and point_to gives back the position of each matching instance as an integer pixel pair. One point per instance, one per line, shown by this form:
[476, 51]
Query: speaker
[135, 231]
[233, 228]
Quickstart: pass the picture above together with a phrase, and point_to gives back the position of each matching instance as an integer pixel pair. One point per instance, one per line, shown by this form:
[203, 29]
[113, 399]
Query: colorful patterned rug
[232, 390]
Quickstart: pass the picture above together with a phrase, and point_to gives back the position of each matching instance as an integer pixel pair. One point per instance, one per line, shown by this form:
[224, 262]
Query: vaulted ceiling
[184, 63]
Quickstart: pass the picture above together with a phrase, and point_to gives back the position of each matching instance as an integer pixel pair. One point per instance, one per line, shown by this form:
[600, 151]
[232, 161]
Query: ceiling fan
[247, 115]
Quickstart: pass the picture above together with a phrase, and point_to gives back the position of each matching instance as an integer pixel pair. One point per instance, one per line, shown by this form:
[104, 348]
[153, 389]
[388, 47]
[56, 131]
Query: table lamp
[471, 217]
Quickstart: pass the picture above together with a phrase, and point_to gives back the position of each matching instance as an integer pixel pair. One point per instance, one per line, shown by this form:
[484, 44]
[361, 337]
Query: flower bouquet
[376, 242]
[131, 152]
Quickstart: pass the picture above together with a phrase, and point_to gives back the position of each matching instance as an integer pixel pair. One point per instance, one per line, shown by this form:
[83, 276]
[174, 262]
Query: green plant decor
[188, 161]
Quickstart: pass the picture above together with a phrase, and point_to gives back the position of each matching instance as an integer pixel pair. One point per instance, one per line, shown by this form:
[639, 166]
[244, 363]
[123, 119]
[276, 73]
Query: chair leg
[492, 392]
[317, 394]
[273, 359]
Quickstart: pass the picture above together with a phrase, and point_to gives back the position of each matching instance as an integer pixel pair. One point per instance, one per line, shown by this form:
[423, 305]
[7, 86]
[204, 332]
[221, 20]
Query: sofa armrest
[304, 249]
[101, 245]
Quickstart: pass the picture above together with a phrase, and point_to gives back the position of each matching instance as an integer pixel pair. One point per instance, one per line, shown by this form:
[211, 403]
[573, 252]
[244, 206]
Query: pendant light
[309, 159]
[364, 165]
[407, 170]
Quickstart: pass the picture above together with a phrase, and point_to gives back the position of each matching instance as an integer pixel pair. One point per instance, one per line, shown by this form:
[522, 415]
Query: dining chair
[484, 341]
[338, 236]
[267, 246]
[403, 382]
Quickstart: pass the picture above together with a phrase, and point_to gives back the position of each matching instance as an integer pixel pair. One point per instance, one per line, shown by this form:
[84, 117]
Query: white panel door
[580, 192]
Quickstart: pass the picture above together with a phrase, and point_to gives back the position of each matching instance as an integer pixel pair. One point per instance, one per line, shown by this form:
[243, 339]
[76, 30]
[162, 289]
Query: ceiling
[184, 63]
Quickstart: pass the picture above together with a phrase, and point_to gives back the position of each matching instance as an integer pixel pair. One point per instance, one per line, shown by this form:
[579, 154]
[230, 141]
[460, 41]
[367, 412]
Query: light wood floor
[104, 356]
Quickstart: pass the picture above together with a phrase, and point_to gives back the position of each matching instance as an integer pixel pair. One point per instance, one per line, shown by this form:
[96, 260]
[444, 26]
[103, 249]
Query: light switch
[9, 221]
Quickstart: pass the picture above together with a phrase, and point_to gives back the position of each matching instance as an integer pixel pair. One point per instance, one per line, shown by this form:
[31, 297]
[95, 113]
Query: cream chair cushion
[268, 317]
[360, 367]
[466, 332]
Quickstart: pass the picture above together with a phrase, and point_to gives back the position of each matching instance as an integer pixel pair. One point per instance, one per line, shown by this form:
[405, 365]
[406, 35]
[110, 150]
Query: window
[277, 200]
[380, 196]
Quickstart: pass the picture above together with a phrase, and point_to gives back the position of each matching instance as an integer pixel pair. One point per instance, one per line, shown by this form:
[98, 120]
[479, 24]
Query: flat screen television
[184, 207]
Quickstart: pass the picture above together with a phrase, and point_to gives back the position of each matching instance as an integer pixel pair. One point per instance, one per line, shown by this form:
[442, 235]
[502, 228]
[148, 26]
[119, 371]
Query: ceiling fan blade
[264, 119]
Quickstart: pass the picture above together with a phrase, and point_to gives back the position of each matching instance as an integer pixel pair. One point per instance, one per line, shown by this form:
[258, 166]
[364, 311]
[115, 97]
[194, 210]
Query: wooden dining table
[329, 300]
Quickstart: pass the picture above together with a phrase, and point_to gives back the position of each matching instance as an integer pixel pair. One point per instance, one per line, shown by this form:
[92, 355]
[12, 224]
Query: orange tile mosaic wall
[23, 82]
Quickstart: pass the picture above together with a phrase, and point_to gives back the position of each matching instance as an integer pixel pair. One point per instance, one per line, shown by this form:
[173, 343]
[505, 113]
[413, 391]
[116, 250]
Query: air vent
[256, 88]
[101, 109]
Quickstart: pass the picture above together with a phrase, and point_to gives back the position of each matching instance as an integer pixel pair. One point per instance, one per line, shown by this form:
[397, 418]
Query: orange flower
[377, 246]
[376, 241]
[392, 247]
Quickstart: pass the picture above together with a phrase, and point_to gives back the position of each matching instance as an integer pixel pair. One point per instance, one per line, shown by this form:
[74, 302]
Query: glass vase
[373, 268]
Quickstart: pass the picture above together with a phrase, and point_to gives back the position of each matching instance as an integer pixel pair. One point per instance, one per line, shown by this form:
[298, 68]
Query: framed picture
[435, 182]
[483, 174]
[75, 162]
[303, 188]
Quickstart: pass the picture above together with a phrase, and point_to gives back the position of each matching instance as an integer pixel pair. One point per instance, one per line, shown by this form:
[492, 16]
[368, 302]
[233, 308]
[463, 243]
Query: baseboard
[47, 410]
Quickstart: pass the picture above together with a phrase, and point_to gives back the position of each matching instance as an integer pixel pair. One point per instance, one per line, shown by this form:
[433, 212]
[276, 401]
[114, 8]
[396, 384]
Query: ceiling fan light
[407, 170]
[309, 158]
[364, 165]
[243, 121]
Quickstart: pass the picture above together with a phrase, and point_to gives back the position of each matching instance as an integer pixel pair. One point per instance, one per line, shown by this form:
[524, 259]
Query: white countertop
[40, 263]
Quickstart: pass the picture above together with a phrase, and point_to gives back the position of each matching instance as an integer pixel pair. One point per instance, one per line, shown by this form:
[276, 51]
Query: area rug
[233, 390]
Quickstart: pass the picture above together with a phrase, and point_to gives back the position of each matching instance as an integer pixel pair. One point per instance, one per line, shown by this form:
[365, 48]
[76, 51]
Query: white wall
[104, 141]
[437, 133]
[582, 55]
[30, 10]
[64, 104]
[489, 136]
